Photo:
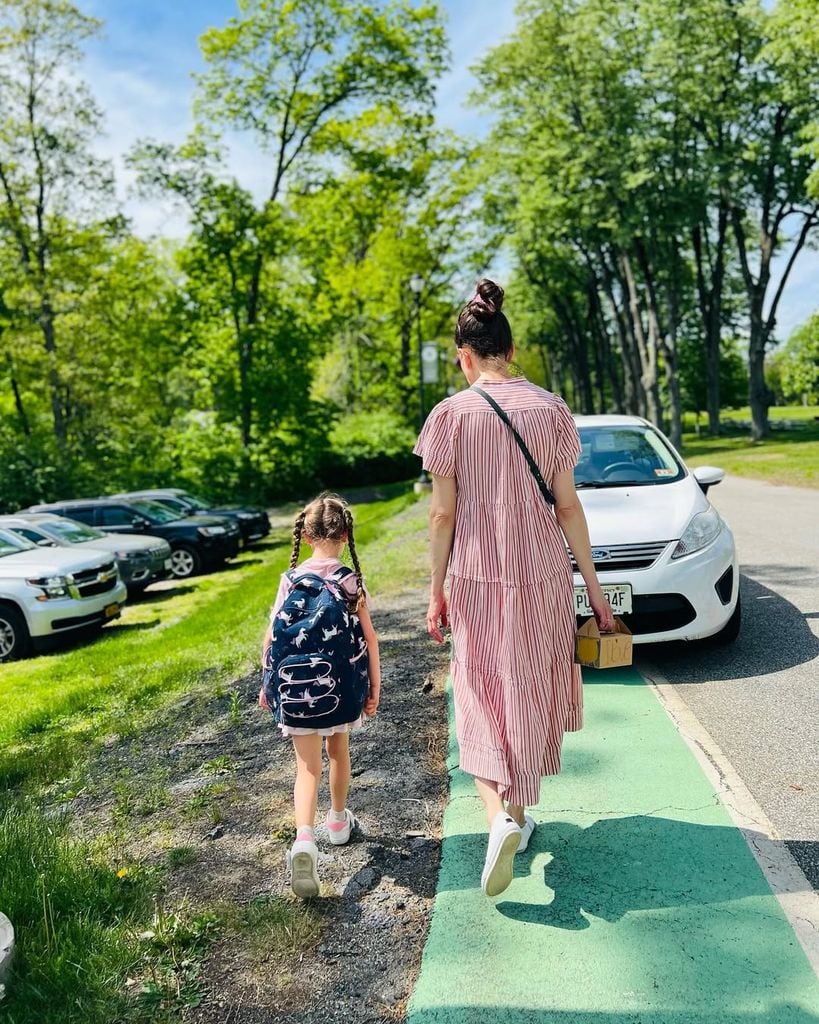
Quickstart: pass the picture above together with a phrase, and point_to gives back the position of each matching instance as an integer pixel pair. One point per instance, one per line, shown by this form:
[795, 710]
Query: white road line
[792, 889]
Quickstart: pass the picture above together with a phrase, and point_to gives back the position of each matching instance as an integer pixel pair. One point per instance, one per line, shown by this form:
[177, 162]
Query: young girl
[326, 524]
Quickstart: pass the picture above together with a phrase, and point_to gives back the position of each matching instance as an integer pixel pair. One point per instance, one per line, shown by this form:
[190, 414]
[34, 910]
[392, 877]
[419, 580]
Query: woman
[516, 687]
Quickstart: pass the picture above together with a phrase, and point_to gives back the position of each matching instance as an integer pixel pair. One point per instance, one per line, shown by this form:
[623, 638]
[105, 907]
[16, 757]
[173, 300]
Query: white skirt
[289, 730]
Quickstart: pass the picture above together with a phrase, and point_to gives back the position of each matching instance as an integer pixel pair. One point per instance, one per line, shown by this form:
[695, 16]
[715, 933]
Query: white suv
[47, 592]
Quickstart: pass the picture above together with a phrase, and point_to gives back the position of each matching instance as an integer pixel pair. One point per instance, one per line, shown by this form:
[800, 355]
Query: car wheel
[14, 636]
[185, 562]
[730, 631]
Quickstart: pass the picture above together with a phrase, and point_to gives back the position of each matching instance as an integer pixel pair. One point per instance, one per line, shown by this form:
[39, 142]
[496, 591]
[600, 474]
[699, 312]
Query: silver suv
[141, 560]
[48, 592]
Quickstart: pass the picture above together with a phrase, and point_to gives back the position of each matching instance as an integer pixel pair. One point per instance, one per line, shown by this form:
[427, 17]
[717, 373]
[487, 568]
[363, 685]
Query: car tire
[15, 640]
[730, 631]
[185, 562]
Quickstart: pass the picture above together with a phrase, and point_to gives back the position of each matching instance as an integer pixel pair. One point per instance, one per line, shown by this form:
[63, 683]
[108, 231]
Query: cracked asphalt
[759, 698]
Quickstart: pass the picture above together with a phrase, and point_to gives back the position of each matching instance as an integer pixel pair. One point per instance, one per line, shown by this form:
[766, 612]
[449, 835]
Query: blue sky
[140, 72]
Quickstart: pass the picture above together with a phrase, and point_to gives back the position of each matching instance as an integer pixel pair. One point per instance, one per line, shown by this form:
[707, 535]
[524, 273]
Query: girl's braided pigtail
[297, 530]
[359, 598]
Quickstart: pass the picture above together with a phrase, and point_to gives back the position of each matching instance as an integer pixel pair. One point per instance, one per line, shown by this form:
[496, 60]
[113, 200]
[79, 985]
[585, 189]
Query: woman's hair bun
[487, 300]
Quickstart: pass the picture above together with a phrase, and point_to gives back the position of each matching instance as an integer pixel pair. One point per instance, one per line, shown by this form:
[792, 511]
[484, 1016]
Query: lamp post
[416, 284]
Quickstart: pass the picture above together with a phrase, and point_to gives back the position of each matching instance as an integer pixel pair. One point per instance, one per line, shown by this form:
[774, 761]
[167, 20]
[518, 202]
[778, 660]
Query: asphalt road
[759, 698]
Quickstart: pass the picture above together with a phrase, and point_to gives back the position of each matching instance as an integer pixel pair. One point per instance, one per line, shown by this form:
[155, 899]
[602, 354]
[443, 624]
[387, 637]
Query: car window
[84, 515]
[117, 515]
[618, 456]
[31, 535]
[194, 502]
[175, 504]
[12, 543]
[73, 533]
[155, 512]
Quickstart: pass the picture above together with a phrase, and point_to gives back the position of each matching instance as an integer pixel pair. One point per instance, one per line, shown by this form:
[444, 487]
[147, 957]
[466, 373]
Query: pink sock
[304, 834]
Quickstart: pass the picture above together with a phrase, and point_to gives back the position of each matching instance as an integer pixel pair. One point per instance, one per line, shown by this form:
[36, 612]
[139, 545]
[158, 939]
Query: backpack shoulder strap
[533, 466]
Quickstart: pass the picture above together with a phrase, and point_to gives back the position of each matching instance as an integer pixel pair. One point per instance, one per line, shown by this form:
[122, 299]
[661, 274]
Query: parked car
[197, 542]
[140, 560]
[48, 592]
[664, 555]
[254, 523]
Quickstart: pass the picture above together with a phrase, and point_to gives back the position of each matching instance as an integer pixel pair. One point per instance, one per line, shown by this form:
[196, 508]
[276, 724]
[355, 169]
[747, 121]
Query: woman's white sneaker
[526, 832]
[302, 861]
[504, 839]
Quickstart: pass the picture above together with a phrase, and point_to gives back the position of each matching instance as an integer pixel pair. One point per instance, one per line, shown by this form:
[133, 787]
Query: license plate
[618, 596]
[111, 610]
[168, 563]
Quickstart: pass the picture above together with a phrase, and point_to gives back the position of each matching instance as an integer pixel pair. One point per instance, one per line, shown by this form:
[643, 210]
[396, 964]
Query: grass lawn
[789, 456]
[84, 921]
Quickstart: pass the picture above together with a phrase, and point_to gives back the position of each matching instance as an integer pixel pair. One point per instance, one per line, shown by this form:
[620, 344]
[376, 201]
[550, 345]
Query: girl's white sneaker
[526, 832]
[504, 839]
[302, 861]
[339, 831]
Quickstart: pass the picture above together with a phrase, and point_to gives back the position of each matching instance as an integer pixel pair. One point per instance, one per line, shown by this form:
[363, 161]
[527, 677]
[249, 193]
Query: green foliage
[796, 365]
[74, 916]
[368, 448]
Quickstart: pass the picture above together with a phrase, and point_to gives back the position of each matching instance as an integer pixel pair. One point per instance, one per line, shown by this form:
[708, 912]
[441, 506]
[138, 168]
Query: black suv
[253, 522]
[197, 542]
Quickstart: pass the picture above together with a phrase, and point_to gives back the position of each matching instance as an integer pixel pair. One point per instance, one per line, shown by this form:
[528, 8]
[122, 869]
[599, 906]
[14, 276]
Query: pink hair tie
[478, 300]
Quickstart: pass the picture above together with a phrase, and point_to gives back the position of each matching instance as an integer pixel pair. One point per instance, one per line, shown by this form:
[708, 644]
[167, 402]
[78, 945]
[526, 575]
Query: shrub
[368, 448]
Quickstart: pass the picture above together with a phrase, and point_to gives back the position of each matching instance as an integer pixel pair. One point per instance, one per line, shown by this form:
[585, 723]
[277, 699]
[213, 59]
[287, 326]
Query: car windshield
[621, 456]
[70, 530]
[194, 502]
[12, 544]
[155, 512]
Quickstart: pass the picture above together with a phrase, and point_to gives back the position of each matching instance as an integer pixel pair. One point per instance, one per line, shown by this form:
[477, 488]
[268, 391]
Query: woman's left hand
[437, 616]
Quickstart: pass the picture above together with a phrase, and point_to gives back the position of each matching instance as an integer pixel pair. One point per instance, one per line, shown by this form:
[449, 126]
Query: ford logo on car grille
[601, 554]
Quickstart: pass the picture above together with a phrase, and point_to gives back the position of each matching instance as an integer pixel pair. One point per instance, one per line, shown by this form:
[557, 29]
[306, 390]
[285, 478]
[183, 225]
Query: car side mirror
[708, 476]
[141, 522]
[46, 543]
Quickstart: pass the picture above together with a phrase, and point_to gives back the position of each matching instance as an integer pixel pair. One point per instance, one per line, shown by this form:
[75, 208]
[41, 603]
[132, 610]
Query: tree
[52, 188]
[294, 75]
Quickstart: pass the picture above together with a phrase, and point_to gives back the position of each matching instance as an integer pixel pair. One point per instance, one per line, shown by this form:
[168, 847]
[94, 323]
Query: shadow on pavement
[775, 636]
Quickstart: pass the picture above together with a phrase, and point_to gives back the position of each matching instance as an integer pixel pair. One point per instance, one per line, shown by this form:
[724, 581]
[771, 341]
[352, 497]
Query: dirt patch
[207, 795]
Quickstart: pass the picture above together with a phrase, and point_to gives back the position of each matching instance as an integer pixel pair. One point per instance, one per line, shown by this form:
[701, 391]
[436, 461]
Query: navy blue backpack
[315, 672]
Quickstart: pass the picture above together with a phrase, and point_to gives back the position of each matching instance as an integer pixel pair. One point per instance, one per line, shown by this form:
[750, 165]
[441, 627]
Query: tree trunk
[709, 293]
[46, 319]
[759, 396]
[646, 346]
[18, 400]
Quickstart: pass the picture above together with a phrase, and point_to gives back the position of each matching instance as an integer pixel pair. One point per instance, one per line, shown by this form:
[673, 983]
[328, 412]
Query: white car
[664, 556]
[48, 592]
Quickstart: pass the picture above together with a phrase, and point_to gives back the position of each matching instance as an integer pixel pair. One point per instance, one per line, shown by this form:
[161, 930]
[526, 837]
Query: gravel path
[221, 779]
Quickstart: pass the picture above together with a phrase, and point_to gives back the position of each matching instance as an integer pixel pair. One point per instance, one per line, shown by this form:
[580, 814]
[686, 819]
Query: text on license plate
[111, 610]
[618, 596]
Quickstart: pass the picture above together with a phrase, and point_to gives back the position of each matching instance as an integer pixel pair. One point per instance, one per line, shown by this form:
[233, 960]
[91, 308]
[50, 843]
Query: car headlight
[245, 515]
[52, 586]
[704, 528]
[211, 531]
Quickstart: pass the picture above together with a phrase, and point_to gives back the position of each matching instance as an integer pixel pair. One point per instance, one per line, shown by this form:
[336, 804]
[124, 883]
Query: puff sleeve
[567, 445]
[436, 442]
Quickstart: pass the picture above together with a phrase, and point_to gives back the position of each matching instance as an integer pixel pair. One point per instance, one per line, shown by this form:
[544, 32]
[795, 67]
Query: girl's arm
[268, 637]
[374, 696]
[572, 520]
[441, 534]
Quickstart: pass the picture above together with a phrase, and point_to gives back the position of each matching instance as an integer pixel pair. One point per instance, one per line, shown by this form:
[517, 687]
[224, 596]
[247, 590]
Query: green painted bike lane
[637, 902]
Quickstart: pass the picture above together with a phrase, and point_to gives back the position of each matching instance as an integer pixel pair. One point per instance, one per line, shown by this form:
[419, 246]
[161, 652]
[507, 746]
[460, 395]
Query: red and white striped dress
[516, 687]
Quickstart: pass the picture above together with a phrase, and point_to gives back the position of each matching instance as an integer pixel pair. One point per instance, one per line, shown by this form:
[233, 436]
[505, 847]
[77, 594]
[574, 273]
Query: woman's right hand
[263, 700]
[437, 616]
[602, 610]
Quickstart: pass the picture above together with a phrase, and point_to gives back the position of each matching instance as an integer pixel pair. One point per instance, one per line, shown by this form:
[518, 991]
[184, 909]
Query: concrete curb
[6, 946]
